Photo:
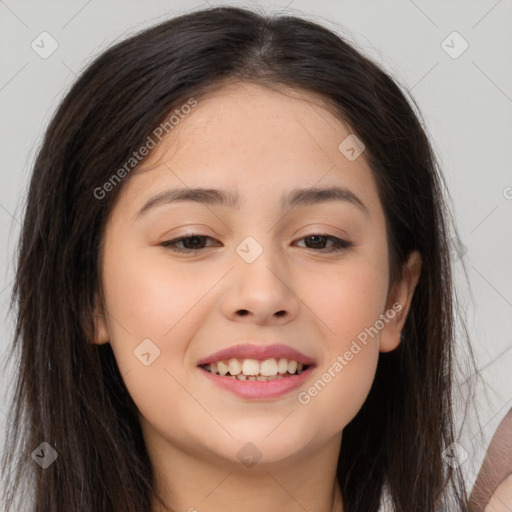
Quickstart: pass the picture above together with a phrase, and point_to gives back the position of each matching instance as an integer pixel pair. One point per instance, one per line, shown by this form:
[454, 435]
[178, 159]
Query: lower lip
[259, 389]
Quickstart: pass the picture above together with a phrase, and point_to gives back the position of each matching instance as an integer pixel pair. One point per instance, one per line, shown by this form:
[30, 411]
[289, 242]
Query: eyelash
[341, 244]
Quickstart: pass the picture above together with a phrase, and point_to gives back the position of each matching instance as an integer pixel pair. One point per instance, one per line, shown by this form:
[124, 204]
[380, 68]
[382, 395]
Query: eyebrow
[228, 199]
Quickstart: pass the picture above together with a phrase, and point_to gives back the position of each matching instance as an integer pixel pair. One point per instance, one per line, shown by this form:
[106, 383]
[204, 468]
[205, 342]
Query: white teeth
[250, 367]
[282, 366]
[292, 366]
[268, 367]
[235, 367]
[222, 368]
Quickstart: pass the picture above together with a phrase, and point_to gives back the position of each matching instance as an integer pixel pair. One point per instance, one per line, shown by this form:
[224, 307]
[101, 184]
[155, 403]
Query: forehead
[255, 140]
[249, 118]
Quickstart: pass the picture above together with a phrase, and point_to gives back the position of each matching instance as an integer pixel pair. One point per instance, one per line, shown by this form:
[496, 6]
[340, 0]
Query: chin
[253, 447]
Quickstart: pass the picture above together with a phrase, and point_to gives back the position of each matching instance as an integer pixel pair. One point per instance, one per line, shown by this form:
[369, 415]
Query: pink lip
[260, 352]
[259, 389]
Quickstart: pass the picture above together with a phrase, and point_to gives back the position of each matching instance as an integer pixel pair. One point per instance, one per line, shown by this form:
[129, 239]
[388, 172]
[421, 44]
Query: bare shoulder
[501, 500]
[493, 486]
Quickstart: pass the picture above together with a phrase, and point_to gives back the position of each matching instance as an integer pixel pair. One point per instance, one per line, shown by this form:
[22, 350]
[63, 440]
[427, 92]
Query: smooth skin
[501, 500]
[260, 143]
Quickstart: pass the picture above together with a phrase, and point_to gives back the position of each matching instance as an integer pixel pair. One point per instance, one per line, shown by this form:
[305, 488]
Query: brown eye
[191, 243]
[319, 240]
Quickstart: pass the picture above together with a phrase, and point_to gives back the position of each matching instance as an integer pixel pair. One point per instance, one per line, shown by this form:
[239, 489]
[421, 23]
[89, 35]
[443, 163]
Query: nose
[260, 292]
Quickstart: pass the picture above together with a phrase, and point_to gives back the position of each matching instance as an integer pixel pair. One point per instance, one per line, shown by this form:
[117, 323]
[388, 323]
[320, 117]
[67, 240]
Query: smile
[257, 386]
[255, 370]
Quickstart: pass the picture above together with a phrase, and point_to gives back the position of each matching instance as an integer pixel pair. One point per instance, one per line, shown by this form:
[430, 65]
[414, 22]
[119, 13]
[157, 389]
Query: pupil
[313, 237]
[194, 239]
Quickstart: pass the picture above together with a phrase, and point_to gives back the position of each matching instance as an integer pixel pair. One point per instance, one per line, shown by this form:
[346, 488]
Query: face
[277, 278]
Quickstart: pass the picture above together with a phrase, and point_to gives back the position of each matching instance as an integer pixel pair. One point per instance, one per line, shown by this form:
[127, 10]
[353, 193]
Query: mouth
[256, 371]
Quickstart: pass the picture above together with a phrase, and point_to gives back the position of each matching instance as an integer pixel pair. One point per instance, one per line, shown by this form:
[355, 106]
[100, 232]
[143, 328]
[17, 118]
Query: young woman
[234, 286]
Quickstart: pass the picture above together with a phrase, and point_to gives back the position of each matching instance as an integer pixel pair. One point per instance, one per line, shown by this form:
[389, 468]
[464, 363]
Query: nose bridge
[260, 227]
[260, 260]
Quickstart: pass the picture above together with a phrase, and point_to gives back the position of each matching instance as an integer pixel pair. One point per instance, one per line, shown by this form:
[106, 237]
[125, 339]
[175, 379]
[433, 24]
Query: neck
[302, 482]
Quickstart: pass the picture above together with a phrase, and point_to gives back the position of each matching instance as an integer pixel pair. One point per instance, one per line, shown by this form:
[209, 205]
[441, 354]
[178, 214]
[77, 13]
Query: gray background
[466, 102]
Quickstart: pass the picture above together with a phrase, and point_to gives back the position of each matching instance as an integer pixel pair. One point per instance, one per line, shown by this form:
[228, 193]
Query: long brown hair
[68, 392]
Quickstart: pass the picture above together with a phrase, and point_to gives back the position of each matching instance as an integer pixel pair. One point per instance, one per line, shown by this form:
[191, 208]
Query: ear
[399, 302]
[101, 331]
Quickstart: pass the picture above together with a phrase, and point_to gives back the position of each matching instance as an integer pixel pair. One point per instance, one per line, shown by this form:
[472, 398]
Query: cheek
[339, 391]
[351, 307]
[151, 298]
[349, 301]
[350, 304]
[147, 299]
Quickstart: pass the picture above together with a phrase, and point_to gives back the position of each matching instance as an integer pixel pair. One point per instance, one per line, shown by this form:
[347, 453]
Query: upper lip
[253, 351]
